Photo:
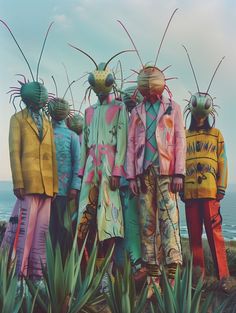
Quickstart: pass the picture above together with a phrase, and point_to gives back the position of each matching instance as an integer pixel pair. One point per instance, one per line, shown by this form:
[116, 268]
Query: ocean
[228, 209]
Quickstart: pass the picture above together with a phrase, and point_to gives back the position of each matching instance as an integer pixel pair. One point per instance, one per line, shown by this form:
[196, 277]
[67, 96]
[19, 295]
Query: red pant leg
[194, 218]
[212, 222]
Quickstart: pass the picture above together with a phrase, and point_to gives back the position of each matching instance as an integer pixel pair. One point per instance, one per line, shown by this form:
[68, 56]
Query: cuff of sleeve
[221, 191]
[81, 172]
[76, 186]
[118, 171]
[179, 175]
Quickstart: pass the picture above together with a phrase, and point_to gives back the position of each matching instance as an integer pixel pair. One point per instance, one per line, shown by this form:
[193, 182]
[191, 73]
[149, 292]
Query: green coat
[102, 156]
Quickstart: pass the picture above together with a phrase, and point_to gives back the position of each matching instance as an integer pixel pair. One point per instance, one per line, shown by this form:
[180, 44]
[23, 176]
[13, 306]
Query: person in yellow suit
[35, 182]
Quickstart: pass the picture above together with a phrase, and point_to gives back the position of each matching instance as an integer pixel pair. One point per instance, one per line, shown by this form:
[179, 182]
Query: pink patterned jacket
[170, 136]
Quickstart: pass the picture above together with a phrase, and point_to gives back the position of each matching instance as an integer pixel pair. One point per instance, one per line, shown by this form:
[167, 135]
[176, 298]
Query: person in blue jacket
[67, 156]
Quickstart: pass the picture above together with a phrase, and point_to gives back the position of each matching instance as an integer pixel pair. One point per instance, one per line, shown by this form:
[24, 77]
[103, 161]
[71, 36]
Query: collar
[59, 124]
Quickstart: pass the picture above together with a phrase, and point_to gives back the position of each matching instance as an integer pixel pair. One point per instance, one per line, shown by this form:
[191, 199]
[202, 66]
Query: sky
[206, 27]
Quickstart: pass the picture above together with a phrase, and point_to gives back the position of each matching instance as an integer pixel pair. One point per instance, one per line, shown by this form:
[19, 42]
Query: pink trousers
[26, 234]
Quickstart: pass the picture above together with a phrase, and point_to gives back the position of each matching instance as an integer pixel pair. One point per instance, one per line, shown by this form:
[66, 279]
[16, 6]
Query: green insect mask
[59, 109]
[201, 105]
[33, 94]
[101, 80]
[75, 123]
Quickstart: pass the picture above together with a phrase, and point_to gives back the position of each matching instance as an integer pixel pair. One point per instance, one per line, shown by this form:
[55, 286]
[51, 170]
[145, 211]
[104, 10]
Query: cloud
[62, 20]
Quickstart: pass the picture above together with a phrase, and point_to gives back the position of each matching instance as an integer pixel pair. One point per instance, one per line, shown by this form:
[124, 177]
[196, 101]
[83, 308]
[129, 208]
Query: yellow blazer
[206, 164]
[33, 163]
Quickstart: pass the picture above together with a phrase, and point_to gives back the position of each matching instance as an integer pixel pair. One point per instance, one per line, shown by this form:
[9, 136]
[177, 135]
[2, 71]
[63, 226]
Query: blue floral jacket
[67, 155]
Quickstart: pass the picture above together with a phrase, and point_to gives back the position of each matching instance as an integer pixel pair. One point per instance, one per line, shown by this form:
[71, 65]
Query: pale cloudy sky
[206, 27]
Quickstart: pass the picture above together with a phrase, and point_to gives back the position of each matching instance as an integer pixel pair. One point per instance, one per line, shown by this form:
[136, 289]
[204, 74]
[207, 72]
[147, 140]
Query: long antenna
[68, 81]
[131, 41]
[214, 74]
[41, 53]
[163, 37]
[19, 48]
[74, 81]
[85, 54]
[55, 84]
[192, 68]
[68, 88]
[121, 73]
[116, 56]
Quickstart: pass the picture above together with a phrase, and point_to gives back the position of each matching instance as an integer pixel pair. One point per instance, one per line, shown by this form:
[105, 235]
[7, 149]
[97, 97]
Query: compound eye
[208, 104]
[91, 80]
[194, 102]
[109, 80]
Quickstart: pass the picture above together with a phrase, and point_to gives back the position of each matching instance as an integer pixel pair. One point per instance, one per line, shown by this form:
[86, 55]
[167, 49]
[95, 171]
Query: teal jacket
[67, 155]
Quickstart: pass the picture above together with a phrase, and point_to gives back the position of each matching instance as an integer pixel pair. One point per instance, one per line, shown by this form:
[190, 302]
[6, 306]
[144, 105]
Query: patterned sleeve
[122, 129]
[75, 153]
[222, 165]
[130, 159]
[84, 145]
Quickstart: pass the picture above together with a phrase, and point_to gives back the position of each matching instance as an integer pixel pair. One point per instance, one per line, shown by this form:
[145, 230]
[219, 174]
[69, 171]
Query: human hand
[219, 196]
[19, 193]
[133, 185]
[176, 184]
[114, 182]
[72, 194]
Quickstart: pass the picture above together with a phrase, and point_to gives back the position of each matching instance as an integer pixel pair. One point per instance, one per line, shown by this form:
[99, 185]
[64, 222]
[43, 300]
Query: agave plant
[29, 303]
[183, 298]
[66, 290]
[122, 297]
[10, 300]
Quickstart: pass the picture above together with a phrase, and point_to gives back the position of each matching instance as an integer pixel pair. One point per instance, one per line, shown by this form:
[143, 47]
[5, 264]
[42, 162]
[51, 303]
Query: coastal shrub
[184, 297]
[64, 288]
[10, 300]
[122, 296]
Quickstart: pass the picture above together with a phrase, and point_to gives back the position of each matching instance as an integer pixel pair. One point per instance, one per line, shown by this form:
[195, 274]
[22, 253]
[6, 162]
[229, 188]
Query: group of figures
[120, 174]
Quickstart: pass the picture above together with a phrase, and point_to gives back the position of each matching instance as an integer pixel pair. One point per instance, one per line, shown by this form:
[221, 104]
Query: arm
[83, 151]
[131, 173]
[121, 143]
[222, 175]
[15, 142]
[75, 153]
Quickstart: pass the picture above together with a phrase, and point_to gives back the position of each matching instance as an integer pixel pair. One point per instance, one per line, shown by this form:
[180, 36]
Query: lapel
[31, 122]
[45, 126]
[163, 107]
[140, 109]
